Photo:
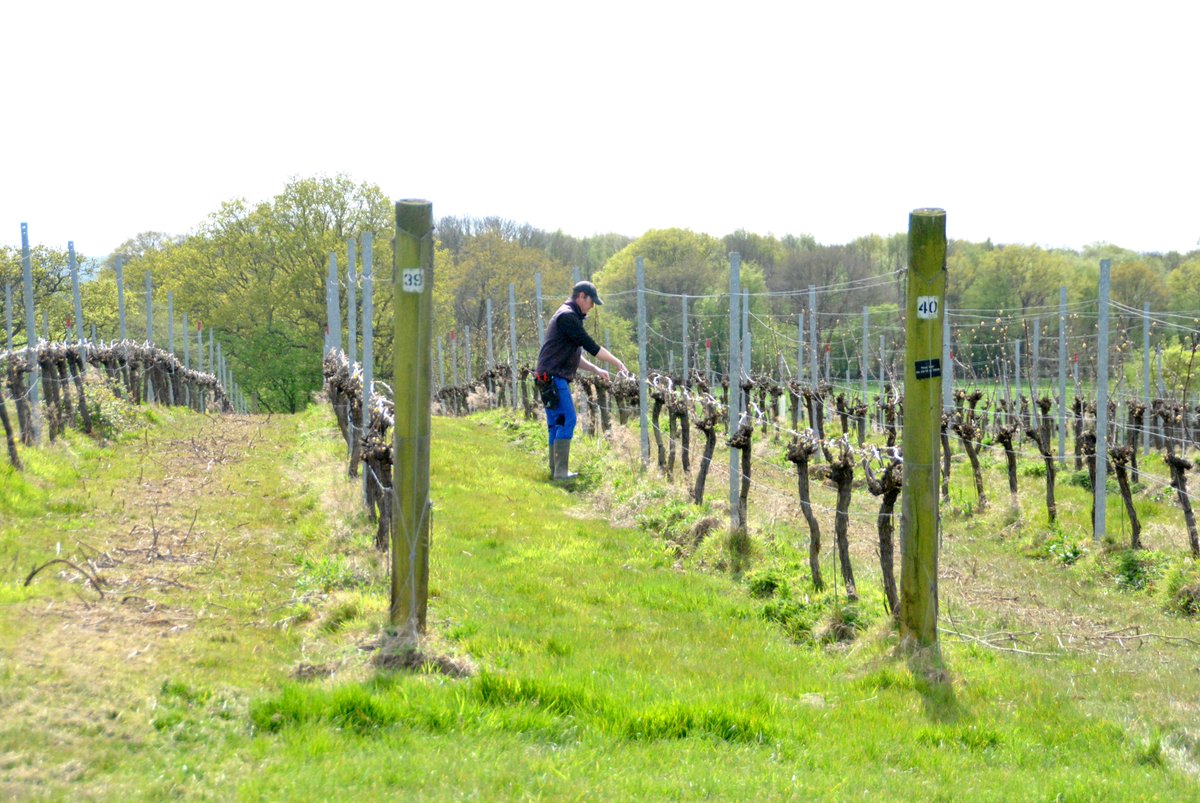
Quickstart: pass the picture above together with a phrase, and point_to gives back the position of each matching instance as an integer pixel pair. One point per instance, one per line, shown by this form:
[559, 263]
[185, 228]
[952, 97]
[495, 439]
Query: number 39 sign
[927, 307]
[412, 280]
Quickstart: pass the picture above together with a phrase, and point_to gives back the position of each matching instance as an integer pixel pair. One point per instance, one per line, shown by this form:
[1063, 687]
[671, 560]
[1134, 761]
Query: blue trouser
[560, 419]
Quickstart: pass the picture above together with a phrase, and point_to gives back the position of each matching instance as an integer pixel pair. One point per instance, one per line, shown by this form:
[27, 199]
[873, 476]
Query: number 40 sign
[927, 307]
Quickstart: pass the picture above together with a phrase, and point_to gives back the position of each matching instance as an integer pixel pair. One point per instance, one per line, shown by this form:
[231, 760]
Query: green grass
[613, 662]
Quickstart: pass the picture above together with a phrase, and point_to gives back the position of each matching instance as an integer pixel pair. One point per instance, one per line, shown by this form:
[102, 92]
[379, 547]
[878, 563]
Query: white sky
[1044, 122]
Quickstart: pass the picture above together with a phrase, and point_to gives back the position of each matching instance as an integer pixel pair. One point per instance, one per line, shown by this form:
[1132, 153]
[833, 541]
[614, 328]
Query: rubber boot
[560, 455]
[550, 456]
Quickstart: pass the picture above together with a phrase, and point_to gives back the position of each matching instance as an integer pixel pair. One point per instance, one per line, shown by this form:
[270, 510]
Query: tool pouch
[547, 390]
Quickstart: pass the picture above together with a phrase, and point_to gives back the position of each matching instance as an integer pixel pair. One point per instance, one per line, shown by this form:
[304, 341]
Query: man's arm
[606, 356]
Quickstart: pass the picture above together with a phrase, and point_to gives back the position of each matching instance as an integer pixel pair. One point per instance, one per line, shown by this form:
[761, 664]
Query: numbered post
[410, 488]
[922, 426]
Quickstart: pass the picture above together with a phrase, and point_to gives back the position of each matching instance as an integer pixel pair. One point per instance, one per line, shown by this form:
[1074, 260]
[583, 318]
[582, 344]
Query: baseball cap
[589, 288]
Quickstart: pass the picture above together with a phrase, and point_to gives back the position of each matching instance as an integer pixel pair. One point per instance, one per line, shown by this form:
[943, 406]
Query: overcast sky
[1061, 124]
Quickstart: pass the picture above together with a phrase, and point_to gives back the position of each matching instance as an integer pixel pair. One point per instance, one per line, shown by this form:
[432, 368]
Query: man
[558, 361]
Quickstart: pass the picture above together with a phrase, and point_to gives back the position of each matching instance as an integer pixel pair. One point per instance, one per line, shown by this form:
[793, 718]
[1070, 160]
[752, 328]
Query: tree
[1183, 287]
[677, 262]
[257, 272]
[1135, 284]
[52, 298]
[486, 264]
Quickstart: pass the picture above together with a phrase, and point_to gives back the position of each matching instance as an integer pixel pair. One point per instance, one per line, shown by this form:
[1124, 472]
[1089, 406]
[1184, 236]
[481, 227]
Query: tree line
[256, 272]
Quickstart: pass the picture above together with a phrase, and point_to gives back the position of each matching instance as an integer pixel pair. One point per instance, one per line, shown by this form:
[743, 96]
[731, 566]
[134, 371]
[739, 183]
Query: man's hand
[619, 365]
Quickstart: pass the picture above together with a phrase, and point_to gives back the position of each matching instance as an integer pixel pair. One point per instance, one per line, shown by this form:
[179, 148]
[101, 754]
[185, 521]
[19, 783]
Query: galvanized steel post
[120, 267]
[735, 396]
[1099, 493]
[75, 290]
[352, 300]
[512, 339]
[31, 337]
[643, 394]
[368, 329]
[1062, 376]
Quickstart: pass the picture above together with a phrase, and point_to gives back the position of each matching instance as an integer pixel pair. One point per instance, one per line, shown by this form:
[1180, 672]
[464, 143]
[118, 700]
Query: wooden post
[413, 312]
[924, 307]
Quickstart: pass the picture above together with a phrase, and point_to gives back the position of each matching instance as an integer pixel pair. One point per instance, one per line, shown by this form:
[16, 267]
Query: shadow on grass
[932, 680]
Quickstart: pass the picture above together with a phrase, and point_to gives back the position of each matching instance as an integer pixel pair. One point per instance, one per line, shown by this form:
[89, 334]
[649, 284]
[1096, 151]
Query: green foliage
[112, 416]
[286, 374]
[1056, 544]
[256, 274]
[676, 261]
[327, 573]
[1065, 550]
[668, 520]
[494, 703]
[797, 617]
[1181, 588]
[1080, 479]
[766, 583]
[1134, 569]
[1032, 469]
[51, 288]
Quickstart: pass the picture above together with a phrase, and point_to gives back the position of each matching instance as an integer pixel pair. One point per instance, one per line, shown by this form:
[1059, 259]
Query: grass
[613, 661]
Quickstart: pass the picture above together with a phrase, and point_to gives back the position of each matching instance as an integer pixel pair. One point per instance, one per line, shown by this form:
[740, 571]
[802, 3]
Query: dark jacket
[565, 342]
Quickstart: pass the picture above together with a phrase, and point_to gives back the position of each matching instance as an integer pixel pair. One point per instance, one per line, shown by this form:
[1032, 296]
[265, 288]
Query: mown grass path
[603, 671]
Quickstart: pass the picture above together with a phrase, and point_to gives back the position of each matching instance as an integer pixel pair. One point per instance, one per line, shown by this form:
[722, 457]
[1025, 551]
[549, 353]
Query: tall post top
[414, 216]
[927, 242]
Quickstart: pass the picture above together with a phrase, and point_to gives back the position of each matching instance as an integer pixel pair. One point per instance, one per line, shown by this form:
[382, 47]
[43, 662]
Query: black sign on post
[929, 369]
